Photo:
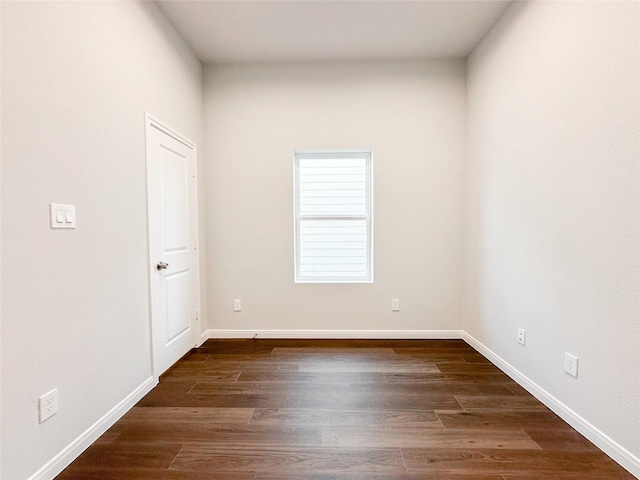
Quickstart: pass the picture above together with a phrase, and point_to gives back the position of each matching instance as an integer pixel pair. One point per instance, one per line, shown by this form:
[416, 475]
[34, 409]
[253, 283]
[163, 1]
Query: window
[333, 216]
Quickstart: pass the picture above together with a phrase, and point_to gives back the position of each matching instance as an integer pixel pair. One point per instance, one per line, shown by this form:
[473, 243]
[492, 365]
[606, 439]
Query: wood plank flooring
[340, 410]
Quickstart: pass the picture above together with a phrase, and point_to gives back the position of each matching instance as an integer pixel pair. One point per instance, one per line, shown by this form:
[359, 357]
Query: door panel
[175, 172]
[178, 308]
[171, 192]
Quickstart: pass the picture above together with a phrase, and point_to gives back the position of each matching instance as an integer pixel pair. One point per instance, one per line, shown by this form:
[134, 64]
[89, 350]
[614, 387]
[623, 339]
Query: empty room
[320, 240]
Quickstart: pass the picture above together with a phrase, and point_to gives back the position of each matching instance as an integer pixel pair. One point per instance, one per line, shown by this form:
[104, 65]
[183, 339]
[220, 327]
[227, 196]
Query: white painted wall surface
[413, 117]
[76, 80]
[553, 203]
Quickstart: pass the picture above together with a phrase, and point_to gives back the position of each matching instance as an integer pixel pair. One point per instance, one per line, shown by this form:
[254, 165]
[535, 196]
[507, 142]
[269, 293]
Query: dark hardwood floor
[340, 409]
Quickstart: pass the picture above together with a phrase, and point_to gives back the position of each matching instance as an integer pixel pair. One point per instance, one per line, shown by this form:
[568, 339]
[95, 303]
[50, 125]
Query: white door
[172, 207]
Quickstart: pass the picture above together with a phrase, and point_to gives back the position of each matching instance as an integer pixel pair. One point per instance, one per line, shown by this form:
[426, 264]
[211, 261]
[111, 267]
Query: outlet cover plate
[571, 364]
[521, 336]
[48, 405]
[395, 304]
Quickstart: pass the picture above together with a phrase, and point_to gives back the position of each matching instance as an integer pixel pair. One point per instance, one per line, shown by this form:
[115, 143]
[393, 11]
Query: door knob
[161, 266]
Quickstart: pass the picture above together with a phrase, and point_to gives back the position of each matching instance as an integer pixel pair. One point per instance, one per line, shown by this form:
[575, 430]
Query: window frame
[367, 155]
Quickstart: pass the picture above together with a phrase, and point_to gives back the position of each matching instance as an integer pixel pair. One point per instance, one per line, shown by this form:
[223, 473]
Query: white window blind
[333, 216]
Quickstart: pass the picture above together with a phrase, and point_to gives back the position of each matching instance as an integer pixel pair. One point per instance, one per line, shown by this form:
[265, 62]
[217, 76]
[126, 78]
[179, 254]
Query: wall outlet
[48, 405]
[571, 364]
[237, 305]
[521, 336]
[395, 305]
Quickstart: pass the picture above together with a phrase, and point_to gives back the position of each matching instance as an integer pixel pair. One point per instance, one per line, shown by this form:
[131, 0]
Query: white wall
[76, 80]
[411, 114]
[553, 204]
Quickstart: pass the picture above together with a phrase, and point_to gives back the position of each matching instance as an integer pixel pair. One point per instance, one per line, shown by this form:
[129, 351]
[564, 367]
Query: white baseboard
[335, 334]
[63, 459]
[605, 443]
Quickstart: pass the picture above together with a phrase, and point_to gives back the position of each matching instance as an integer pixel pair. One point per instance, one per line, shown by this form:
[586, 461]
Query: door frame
[152, 122]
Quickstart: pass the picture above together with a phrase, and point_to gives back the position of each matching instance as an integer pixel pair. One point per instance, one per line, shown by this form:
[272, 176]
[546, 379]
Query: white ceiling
[235, 31]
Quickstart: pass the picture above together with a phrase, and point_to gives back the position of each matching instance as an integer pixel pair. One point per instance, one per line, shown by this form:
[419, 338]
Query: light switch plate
[62, 216]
